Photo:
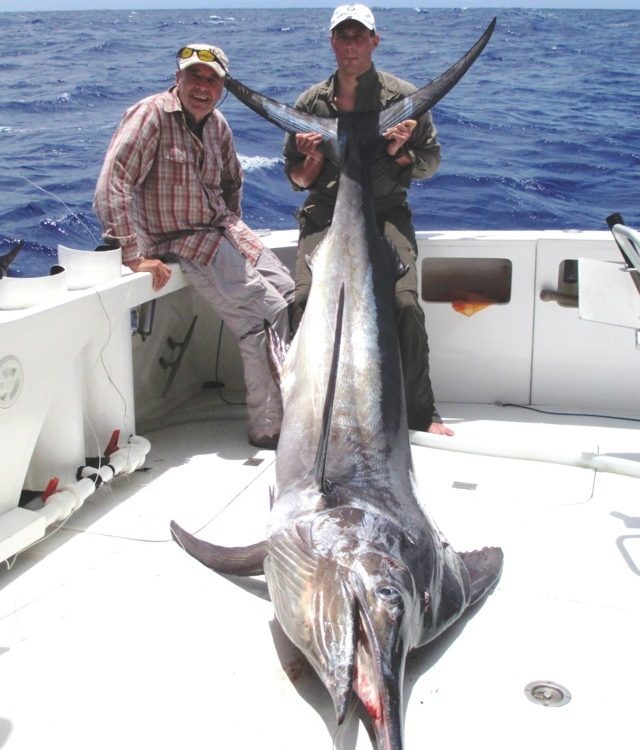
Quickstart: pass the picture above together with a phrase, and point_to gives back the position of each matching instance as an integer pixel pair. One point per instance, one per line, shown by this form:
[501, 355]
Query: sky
[40, 5]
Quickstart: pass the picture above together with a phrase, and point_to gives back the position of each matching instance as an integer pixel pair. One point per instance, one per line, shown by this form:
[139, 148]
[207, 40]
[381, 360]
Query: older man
[171, 184]
[412, 152]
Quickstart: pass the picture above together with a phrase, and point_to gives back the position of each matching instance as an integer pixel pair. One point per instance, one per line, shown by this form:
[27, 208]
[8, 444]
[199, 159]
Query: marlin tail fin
[288, 118]
[428, 96]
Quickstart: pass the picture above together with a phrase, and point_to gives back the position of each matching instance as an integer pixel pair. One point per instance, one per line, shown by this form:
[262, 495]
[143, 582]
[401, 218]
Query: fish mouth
[379, 673]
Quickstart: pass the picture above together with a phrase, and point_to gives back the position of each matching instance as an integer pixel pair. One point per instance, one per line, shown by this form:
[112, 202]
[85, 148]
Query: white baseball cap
[359, 13]
[203, 54]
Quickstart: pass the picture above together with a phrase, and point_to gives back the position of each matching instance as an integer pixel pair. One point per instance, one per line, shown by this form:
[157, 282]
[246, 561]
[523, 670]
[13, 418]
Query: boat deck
[111, 636]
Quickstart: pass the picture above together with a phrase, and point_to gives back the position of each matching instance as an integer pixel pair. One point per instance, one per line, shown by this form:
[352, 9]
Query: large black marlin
[357, 572]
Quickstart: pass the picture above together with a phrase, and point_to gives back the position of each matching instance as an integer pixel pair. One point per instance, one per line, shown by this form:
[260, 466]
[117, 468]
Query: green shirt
[390, 181]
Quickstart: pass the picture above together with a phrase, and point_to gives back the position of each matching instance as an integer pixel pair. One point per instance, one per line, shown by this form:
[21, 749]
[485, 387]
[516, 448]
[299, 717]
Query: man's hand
[160, 272]
[398, 135]
[306, 171]
[308, 144]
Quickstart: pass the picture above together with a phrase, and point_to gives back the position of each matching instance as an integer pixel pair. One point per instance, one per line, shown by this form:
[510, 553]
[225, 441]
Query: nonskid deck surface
[110, 635]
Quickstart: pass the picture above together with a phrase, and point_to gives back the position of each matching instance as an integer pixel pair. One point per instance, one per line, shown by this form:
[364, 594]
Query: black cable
[566, 413]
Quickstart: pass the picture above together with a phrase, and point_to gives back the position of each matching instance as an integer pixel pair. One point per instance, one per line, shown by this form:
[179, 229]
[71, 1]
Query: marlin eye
[389, 595]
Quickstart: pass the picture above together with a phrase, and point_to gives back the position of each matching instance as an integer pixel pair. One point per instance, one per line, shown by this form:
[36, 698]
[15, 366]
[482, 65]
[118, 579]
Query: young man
[171, 184]
[412, 152]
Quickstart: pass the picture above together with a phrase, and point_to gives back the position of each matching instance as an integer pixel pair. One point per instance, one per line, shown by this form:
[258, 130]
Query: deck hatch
[466, 279]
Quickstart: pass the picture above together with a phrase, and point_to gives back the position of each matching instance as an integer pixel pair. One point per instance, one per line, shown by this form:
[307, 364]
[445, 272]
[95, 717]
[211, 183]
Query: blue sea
[542, 133]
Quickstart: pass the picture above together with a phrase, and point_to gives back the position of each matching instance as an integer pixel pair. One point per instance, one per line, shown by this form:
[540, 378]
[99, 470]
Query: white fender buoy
[62, 503]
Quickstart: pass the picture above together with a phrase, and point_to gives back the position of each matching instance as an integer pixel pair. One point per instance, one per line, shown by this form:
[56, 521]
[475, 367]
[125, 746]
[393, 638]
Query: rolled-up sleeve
[231, 181]
[128, 160]
[425, 147]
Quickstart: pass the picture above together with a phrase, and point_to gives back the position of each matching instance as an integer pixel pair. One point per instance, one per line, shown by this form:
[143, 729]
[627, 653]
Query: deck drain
[547, 693]
[253, 461]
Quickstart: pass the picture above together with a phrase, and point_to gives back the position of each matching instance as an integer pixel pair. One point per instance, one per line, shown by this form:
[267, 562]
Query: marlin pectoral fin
[316, 609]
[276, 352]
[238, 561]
[425, 98]
[484, 567]
[288, 118]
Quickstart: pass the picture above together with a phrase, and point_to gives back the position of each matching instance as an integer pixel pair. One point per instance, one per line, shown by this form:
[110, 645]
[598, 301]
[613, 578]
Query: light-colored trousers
[244, 297]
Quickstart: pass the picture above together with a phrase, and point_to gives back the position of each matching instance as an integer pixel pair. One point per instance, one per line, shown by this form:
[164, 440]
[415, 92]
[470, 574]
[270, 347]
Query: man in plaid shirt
[171, 185]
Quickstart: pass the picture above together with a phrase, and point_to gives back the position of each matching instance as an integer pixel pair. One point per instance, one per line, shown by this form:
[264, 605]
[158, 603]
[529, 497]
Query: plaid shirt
[163, 190]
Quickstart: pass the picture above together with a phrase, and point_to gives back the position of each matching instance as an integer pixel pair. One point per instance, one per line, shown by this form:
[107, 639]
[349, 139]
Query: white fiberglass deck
[111, 636]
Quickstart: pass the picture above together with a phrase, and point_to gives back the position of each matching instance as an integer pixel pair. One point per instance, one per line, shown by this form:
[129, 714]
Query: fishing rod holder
[174, 365]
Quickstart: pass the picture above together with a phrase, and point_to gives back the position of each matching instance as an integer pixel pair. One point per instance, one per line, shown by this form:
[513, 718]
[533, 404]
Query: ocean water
[542, 133]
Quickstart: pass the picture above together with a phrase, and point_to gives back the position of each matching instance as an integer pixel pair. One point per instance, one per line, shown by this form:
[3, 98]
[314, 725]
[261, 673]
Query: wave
[254, 163]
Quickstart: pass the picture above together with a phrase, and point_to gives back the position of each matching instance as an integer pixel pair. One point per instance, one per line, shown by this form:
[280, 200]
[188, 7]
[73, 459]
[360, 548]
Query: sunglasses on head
[204, 55]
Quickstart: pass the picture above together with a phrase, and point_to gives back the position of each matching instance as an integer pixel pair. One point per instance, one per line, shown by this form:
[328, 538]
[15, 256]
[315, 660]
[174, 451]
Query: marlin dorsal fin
[321, 455]
[416, 104]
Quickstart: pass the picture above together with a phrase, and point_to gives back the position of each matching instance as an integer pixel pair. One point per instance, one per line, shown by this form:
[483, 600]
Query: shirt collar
[172, 102]
[368, 87]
